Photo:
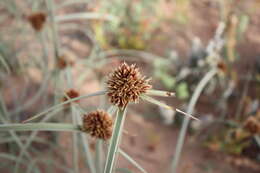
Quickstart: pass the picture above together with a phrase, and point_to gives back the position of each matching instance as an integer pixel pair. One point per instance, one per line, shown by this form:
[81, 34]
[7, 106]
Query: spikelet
[70, 94]
[37, 20]
[98, 124]
[125, 85]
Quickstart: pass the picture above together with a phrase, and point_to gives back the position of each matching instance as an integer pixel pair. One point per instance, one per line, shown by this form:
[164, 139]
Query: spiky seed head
[70, 94]
[222, 66]
[125, 85]
[98, 124]
[37, 20]
[63, 62]
[252, 124]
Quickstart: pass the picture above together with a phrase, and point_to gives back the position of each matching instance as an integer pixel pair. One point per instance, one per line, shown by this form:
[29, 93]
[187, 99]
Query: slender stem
[244, 95]
[89, 158]
[51, 7]
[13, 134]
[45, 50]
[160, 93]
[134, 53]
[39, 126]
[257, 138]
[5, 64]
[75, 141]
[86, 15]
[29, 141]
[35, 98]
[99, 160]
[127, 157]
[69, 2]
[186, 121]
[64, 103]
[115, 141]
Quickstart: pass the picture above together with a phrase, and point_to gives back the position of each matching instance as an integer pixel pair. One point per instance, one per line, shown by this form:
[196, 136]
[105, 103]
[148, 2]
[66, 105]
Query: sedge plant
[124, 86]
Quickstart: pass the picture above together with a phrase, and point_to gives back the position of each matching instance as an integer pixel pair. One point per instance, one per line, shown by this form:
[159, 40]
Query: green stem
[99, 159]
[40, 126]
[186, 121]
[29, 141]
[160, 93]
[115, 140]
[85, 143]
[75, 141]
[51, 7]
[64, 103]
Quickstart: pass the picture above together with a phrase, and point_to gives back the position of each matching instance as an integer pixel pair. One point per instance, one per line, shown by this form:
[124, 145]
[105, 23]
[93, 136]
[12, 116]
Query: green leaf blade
[115, 140]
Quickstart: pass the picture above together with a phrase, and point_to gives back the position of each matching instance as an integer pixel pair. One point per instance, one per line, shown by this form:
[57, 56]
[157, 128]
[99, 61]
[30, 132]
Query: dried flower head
[98, 124]
[63, 62]
[126, 84]
[252, 125]
[222, 66]
[70, 94]
[37, 20]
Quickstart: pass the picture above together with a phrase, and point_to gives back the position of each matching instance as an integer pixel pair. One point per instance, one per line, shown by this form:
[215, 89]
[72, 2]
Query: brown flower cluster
[37, 20]
[125, 85]
[71, 93]
[98, 124]
[222, 66]
[252, 125]
[63, 62]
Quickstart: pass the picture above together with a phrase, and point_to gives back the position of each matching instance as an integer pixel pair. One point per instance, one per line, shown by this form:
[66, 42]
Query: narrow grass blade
[115, 140]
[54, 28]
[160, 93]
[77, 16]
[24, 138]
[99, 158]
[123, 170]
[40, 126]
[35, 98]
[30, 139]
[75, 141]
[89, 158]
[12, 133]
[15, 137]
[5, 64]
[9, 157]
[257, 138]
[186, 114]
[152, 100]
[3, 109]
[112, 110]
[63, 103]
[204, 81]
[7, 164]
[127, 157]
[71, 2]
[133, 53]
[47, 161]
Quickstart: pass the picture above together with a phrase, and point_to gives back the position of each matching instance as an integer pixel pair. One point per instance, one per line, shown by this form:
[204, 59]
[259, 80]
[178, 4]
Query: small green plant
[134, 26]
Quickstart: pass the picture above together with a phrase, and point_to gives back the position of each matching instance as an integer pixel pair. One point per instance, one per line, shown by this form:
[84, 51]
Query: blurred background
[50, 46]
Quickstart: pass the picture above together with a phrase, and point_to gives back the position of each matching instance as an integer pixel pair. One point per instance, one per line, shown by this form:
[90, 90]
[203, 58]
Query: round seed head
[98, 124]
[252, 125]
[63, 62]
[37, 20]
[125, 85]
[222, 66]
[71, 93]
